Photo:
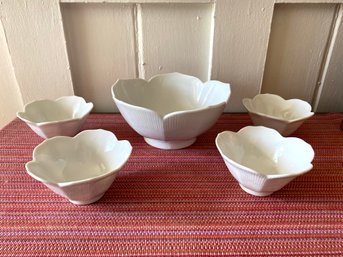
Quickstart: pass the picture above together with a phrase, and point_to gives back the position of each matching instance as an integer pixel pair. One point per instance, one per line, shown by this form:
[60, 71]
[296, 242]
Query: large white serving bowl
[62, 117]
[263, 161]
[170, 110]
[272, 111]
[79, 168]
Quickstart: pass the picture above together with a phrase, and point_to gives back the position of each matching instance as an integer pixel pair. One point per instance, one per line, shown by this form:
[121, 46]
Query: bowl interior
[65, 159]
[276, 106]
[62, 109]
[265, 151]
[169, 93]
[71, 166]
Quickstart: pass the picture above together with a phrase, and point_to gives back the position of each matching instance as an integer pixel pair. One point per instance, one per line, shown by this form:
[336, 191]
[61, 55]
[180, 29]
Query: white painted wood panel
[114, 39]
[101, 47]
[138, 1]
[308, 1]
[331, 90]
[297, 48]
[240, 46]
[36, 45]
[10, 97]
[175, 37]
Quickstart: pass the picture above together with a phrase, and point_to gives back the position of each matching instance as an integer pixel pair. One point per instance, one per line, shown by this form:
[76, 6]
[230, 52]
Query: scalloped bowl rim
[171, 114]
[244, 100]
[43, 123]
[81, 181]
[250, 170]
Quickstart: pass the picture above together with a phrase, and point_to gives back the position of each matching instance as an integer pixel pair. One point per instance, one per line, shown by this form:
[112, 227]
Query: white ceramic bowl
[79, 168]
[62, 117]
[272, 111]
[261, 160]
[170, 110]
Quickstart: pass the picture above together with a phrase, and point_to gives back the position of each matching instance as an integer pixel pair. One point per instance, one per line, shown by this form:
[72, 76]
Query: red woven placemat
[182, 202]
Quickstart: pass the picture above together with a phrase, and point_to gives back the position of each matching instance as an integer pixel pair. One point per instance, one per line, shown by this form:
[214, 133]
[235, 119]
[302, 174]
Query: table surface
[178, 202]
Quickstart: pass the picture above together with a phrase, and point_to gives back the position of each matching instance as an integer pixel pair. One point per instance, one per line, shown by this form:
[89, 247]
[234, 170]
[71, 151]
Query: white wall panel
[256, 48]
[297, 48]
[10, 96]
[36, 45]
[143, 1]
[176, 37]
[240, 46]
[101, 47]
[331, 93]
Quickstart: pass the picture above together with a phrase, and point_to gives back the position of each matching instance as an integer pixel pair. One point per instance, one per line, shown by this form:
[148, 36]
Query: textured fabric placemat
[179, 202]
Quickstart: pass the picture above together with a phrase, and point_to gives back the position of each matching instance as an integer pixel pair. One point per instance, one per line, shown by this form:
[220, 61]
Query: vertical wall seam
[267, 51]
[65, 47]
[211, 46]
[2, 27]
[139, 50]
[135, 36]
[336, 21]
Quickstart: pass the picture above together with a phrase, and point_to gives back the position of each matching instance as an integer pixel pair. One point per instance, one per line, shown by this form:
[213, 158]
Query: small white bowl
[79, 168]
[170, 110]
[272, 111]
[62, 117]
[263, 161]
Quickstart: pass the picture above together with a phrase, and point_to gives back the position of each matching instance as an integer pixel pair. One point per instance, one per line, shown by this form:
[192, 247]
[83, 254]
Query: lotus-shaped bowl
[79, 168]
[272, 111]
[170, 110]
[263, 161]
[62, 117]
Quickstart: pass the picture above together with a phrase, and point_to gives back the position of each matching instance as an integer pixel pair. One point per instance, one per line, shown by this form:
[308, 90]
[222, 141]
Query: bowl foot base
[169, 145]
[96, 198]
[249, 191]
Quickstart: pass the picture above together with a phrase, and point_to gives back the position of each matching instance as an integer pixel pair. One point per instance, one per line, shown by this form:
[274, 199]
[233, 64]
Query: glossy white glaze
[170, 110]
[269, 110]
[263, 161]
[62, 117]
[80, 168]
